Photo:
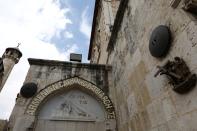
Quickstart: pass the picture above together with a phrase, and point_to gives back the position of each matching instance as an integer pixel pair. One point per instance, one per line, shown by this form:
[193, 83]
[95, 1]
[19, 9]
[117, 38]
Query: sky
[46, 29]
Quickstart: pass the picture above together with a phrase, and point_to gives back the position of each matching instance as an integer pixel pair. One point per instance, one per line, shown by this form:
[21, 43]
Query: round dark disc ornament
[28, 90]
[160, 41]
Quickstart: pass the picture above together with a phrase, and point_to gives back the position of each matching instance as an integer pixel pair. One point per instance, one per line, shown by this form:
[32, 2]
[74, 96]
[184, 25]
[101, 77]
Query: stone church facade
[60, 95]
[141, 76]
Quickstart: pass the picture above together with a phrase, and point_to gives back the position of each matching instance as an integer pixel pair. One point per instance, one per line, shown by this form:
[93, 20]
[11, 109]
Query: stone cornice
[33, 61]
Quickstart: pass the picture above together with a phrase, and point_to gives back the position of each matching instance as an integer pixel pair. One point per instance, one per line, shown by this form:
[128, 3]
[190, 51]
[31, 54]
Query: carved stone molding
[68, 84]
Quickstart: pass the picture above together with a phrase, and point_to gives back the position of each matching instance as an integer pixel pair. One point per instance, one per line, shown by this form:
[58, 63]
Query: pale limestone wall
[46, 72]
[2, 125]
[102, 32]
[143, 102]
[101, 40]
[114, 5]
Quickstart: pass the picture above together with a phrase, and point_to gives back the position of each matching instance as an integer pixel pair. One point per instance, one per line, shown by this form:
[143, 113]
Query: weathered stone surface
[3, 125]
[45, 72]
[143, 102]
[133, 67]
[132, 105]
[156, 85]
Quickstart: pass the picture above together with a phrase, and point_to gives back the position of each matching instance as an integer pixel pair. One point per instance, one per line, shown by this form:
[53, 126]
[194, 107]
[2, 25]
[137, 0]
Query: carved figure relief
[74, 105]
[70, 110]
[178, 74]
[191, 6]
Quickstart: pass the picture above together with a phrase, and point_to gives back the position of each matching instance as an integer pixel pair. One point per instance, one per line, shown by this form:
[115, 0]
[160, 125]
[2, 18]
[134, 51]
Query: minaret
[10, 57]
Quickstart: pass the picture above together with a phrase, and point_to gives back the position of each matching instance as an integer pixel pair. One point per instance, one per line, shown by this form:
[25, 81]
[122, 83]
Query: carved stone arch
[67, 85]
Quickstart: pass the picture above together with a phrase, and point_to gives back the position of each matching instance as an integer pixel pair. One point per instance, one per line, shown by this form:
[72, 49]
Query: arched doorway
[72, 105]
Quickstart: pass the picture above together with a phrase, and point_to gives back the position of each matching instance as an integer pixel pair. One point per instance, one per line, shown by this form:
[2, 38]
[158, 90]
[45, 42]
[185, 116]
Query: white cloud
[32, 23]
[71, 49]
[40, 18]
[68, 35]
[85, 26]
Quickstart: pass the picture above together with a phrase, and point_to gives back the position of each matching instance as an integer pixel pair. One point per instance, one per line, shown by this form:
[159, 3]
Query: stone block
[145, 120]
[145, 96]
[123, 114]
[188, 122]
[136, 59]
[192, 44]
[133, 85]
[149, 61]
[168, 108]
[23, 123]
[178, 21]
[155, 85]
[140, 72]
[132, 105]
[139, 101]
[172, 125]
[42, 83]
[136, 123]
[163, 127]
[156, 111]
[186, 46]
[184, 103]
[121, 96]
[140, 122]
[3, 124]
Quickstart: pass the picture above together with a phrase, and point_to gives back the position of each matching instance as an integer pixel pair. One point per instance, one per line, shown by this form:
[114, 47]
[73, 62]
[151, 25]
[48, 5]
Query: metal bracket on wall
[178, 75]
[191, 6]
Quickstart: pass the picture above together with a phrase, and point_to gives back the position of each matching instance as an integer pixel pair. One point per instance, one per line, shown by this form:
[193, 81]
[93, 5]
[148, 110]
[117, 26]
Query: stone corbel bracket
[178, 74]
[190, 5]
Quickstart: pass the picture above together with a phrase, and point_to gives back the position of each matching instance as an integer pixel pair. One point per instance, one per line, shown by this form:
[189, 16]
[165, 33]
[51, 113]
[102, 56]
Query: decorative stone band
[15, 59]
[67, 84]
